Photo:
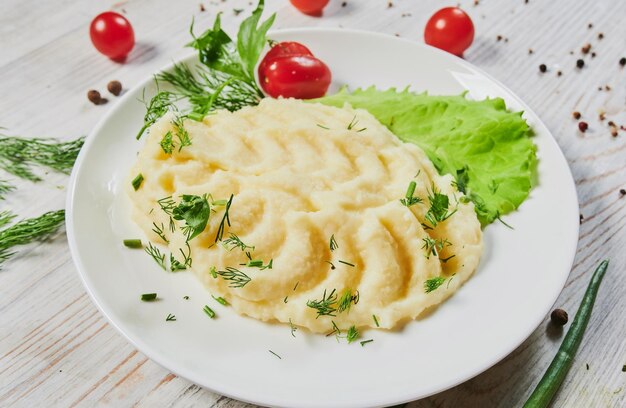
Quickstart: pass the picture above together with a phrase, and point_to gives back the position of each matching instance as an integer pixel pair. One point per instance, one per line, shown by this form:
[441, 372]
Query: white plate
[522, 271]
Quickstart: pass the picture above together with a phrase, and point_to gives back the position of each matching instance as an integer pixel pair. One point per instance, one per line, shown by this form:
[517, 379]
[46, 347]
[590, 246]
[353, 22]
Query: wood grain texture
[57, 350]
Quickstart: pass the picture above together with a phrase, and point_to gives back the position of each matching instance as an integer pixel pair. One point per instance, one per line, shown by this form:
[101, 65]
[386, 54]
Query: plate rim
[407, 397]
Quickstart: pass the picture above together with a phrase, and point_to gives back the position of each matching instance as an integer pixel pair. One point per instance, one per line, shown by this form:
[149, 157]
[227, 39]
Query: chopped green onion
[148, 297]
[255, 263]
[133, 243]
[209, 311]
[137, 181]
[220, 300]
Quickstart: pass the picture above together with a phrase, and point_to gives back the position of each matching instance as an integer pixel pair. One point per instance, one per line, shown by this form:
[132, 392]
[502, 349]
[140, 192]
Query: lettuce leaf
[486, 148]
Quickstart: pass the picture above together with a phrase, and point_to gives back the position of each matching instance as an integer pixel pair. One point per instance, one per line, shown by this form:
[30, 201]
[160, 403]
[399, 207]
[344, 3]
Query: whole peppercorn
[576, 115]
[622, 61]
[622, 192]
[559, 317]
[580, 63]
[94, 97]
[543, 68]
[115, 87]
[586, 48]
[583, 126]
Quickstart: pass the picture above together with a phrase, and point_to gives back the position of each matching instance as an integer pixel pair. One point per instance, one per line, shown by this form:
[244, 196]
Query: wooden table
[57, 350]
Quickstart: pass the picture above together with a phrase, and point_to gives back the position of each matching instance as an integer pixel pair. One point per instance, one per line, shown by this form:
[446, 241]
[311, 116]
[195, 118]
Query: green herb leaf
[347, 299]
[195, 211]
[327, 306]
[137, 181]
[209, 312]
[433, 283]
[170, 318]
[352, 334]
[237, 278]
[158, 106]
[439, 204]
[133, 243]
[27, 230]
[220, 300]
[156, 254]
[252, 38]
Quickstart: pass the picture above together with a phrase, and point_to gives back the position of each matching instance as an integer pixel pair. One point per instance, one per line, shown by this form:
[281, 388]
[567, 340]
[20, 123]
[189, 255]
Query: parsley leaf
[195, 211]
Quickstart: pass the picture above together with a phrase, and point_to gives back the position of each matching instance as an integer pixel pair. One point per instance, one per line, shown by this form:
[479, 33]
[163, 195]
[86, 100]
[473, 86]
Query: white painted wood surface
[57, 350]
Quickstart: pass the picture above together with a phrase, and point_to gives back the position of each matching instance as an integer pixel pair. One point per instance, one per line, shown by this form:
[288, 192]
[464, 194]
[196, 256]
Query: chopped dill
[293, 328]
[346, 300]
[333, 243]
[170, 318]
[352, 334]
[159, 231]
[225, 219]
[434, 246]
[439, 207]
[364, 342]
[156, 254]
[346, 263]
[176, 265]
[158, 106]
[327, 306]
[375, 320]
[235, 242]
[236, 278]
[275, 354]
[433, 283]
[332, 265]
[181, 133]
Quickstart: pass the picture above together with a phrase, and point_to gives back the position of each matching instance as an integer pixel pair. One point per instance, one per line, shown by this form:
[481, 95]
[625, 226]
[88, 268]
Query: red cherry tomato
[296, 76]
[313, 7]
[112, 35]
[450, 29]
[281, 49]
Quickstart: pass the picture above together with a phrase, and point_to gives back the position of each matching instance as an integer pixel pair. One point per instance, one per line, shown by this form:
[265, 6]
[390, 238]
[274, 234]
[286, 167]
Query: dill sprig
[236, 278]
[156, 254]
[327, 306]
[433, 283]
[5, 187]
[225, 220]
[176, 265]
[409, 199]
[346, 300]
[26, 231]
[159, 231]
[333, 243]
[18, 155]
[235, 242]
[158, 106]
[434, 246]
[352, 334]
[439, 207]
[181, 133]
[293, 328]
[167, 144]
[170, 318]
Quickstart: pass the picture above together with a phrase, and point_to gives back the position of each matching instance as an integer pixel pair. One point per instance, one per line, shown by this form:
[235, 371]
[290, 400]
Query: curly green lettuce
[487, 148]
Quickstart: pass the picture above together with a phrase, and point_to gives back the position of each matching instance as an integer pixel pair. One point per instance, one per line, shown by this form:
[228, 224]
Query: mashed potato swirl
[300, 173]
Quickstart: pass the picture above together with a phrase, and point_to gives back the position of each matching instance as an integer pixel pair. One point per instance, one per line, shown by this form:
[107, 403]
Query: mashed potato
[301, 173]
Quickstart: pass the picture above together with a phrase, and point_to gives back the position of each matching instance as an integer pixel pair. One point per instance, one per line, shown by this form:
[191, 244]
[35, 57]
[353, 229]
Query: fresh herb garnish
[375, 320]
[236, 278]
[434, 246]
[225, 80]
[225, 220]
[27, 230]
[133, 243]
[209, 312]
[332, 265]
[137, 181]
[167, 144]
[148, 297]
[17, 155]
[346, 263]
[346, 300]
[167, 205]
[327, 306]
[170, 318]
[159, 231]
[336, 331]
[156, 254]
[195, 211]
[364, 342]
[176, 265]
[333, 243]
[293, 328]
[286, 299]
[275, 354]
[439, 207]
[181, 133]
[158, 106]
[220, 300]
[5, 187]
[433, 283]
[352, 334]
[235, 242]
[408, 199]
[323, 127]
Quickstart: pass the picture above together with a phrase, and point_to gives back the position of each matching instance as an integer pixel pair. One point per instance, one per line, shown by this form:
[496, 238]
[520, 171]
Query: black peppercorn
[580, 63]
[622, 61]
[559, 317]
[543, 68]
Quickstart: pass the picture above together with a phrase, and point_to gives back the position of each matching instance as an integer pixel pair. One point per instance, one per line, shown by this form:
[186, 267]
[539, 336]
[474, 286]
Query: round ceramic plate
[520, 275]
